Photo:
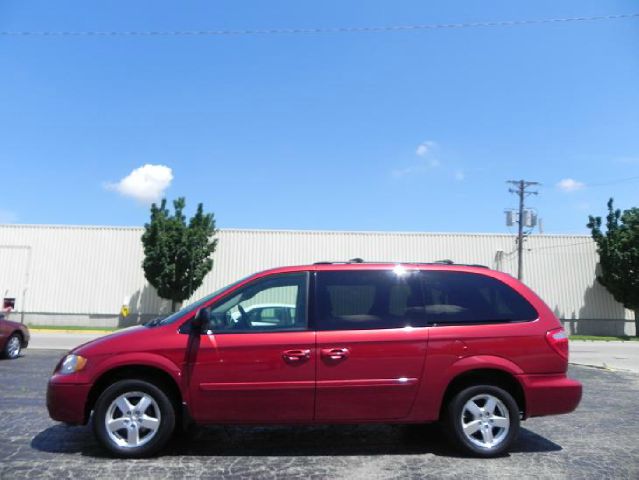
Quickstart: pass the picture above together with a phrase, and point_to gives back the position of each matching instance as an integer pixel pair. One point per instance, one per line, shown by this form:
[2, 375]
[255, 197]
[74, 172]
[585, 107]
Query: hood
[124, 340]
[12, 324]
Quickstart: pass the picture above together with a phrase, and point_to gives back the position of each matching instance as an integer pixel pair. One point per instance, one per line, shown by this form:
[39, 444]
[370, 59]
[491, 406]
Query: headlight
[72, 364]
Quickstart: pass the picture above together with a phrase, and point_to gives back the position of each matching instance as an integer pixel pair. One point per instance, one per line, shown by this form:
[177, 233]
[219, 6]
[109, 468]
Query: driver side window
[276, 303]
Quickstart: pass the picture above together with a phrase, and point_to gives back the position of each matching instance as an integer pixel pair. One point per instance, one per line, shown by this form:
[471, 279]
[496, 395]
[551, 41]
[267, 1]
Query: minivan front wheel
[12, 347]
[483, 420]
[133, 418]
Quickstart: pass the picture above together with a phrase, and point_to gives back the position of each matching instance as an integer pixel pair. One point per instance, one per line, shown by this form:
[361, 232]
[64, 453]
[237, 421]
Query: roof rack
[438, 262]
[352, 260]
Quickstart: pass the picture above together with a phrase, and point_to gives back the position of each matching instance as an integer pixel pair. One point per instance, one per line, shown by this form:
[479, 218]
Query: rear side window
[466, 298]
[368, 299]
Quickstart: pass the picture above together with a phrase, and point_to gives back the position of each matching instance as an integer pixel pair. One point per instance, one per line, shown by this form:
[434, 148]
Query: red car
[14, 337]
[388, 343]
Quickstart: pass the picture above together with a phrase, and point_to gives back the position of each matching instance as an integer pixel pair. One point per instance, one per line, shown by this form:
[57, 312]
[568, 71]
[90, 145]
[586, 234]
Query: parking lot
[599, 440]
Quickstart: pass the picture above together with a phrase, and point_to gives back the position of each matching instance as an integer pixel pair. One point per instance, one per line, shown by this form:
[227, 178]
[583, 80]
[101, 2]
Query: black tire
[457, 415]
[165, 416]
[13, 347]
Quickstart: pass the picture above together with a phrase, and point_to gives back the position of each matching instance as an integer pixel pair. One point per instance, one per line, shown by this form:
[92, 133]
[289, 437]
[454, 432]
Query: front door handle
[296, 356]
[339, 353]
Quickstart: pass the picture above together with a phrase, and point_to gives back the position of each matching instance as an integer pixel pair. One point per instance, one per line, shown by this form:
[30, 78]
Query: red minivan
[350, 342]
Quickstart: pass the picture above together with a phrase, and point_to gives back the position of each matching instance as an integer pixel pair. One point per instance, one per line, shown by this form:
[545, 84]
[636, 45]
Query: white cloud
[403, 172]
[460, 176]
[427, 162]
[425, 148]
[415, 169]
[145, 184]
[570, 185]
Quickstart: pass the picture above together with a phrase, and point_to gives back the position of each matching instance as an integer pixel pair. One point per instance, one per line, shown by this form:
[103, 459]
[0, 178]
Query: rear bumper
[550, 394]
[67, 402]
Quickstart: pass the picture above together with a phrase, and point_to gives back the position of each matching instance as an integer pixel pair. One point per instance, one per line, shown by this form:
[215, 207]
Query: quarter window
[459, 297]
[368, 299]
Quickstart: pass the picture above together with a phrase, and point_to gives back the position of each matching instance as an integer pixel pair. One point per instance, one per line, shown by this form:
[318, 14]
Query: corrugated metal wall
[92, 270]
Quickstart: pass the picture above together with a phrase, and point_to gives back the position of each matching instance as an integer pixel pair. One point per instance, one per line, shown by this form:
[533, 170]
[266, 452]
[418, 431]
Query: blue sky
[407, 131]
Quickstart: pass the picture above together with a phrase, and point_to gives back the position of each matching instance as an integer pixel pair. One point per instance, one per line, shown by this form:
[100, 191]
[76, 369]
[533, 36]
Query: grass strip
[71, 328]
[623, 338]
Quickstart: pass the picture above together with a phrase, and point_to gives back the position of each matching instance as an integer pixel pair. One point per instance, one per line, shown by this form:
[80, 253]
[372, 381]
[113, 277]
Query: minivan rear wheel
[483, 420]
[133, 418]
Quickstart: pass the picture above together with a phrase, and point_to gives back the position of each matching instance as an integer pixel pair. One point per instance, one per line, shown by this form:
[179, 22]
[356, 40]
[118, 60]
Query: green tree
[618, 250]
[177, 256]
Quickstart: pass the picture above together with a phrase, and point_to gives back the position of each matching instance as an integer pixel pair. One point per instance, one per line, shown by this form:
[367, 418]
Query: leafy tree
[177, 256]
[618, 250]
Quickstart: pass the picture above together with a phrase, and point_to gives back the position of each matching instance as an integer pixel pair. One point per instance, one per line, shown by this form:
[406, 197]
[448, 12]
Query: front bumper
[67, 402]
[550, 394]
[26, 336]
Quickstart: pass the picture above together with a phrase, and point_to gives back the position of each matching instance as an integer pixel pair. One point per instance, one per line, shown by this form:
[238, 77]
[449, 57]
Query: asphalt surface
[599, 440]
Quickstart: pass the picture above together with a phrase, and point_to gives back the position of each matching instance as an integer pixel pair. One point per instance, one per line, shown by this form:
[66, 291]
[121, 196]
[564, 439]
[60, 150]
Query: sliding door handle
[296, 356]
[336, 353]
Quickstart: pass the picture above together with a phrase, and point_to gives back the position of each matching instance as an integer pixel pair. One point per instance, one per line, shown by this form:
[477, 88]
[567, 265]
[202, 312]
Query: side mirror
[200, 320]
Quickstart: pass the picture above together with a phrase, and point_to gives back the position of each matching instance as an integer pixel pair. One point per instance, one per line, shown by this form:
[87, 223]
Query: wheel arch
[485, 376]
[19, 333]
[152, 374]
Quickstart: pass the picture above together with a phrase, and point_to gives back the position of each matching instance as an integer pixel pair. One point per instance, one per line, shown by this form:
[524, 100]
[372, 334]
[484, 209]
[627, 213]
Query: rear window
[460, 297]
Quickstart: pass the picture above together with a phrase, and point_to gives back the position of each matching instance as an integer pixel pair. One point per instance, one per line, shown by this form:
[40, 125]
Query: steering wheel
[244, 318]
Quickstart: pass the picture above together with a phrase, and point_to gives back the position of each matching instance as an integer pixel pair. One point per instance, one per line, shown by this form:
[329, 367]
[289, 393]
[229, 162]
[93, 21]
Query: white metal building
[81, 275]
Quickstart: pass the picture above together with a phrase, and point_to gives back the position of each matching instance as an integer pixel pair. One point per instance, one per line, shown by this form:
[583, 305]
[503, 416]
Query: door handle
[340, 353]
[296, 355]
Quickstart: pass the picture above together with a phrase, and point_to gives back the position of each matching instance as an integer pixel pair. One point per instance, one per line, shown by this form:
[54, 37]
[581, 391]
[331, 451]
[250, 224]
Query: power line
[294, 31]
[550, 247]
[533, 250]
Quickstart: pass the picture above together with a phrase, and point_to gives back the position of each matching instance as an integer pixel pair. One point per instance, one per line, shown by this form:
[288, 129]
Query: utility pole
[522, 191]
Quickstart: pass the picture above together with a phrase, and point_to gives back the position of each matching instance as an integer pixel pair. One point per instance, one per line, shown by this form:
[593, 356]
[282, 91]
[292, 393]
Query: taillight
[558, 340]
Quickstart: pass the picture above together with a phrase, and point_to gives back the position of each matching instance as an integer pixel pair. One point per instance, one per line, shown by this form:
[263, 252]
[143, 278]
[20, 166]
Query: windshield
[195, 305]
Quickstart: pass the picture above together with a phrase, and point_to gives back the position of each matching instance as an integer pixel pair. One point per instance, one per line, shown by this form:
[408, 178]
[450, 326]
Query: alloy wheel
[485, 421]
[13, 347]
[132, 419]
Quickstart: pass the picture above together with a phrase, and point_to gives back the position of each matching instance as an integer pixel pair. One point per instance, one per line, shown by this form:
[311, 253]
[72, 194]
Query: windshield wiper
[154, 322]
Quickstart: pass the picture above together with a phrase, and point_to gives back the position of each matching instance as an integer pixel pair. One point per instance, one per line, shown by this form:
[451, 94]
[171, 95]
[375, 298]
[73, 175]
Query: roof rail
[352, 260]
[438, 262]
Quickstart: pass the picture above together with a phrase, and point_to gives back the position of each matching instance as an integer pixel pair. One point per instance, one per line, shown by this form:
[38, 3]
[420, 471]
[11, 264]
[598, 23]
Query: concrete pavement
[610, 355]
[60, 341]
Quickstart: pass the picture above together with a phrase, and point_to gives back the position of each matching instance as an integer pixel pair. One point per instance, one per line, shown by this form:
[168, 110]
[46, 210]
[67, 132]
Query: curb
[603, 367]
